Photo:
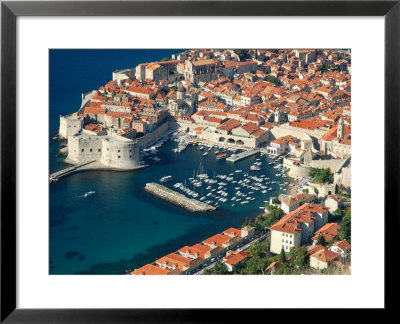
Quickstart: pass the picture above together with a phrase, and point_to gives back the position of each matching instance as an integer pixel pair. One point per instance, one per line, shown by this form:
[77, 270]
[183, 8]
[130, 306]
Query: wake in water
[86, 194]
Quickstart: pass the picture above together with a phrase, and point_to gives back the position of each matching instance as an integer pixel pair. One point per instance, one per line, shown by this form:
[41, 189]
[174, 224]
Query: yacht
[166, 178]
[255, 168]
[89, 193]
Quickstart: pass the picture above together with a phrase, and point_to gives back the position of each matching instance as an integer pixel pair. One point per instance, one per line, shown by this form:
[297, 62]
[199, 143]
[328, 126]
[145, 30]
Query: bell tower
[340, 128]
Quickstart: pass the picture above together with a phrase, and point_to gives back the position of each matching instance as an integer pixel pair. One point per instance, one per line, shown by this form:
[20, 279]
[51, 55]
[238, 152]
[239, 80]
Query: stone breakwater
[176, 198]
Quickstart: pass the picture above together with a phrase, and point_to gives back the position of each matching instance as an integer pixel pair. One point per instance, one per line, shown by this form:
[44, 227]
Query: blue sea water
[122, 226]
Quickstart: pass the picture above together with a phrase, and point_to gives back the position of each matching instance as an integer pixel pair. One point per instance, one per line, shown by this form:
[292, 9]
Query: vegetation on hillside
[345, 227]
[218, 269]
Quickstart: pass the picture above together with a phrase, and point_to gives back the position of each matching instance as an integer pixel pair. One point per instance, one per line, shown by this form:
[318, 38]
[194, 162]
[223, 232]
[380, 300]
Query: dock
[54, 177]
[178, 199]
[242, 155]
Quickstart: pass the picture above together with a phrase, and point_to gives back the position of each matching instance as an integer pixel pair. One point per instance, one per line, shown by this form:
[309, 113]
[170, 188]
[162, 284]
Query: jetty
[54, 177]
[176, 198]
[242, 155]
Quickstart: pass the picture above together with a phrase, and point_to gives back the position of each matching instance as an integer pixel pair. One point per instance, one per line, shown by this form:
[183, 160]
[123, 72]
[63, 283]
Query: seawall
[152, 137]
[176, 198]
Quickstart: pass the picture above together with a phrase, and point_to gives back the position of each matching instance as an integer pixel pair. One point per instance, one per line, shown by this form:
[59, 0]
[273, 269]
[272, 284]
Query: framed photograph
[156, 154]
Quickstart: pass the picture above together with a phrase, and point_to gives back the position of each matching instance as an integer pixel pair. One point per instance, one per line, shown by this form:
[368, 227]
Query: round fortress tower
[120, 154]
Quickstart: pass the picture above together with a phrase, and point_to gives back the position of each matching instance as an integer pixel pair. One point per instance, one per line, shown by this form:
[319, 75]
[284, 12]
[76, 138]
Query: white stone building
[297, 227]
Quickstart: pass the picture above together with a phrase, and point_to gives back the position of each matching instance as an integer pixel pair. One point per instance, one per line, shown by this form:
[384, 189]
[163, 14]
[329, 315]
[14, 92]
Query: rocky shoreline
[178, 199]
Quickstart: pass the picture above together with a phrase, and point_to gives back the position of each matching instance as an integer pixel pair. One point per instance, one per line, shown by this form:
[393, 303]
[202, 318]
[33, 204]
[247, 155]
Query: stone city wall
[152, 137]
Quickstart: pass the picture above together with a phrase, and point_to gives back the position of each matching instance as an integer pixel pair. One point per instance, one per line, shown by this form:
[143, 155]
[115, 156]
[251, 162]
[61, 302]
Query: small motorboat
[89, 193]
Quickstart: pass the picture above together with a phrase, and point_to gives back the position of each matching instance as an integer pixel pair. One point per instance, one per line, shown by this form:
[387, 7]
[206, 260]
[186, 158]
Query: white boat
[206, 153]
[166, 178]
[89, 193]
[254, 168]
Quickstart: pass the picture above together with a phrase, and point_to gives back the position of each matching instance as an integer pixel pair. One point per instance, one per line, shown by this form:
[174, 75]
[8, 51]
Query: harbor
[178, 199]
[232, 189]
[141, 218]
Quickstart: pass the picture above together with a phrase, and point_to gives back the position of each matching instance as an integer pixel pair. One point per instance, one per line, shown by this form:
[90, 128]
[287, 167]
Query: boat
[89, 193]
[166, 178]
[254, 168]
[206, 153]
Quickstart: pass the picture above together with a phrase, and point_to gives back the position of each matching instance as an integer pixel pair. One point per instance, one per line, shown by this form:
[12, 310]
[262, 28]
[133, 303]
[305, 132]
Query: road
[242, 248]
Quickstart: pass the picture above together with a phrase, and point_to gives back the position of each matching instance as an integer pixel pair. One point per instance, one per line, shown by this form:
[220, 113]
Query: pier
[54, 177]
[242, 155]
[176, 198]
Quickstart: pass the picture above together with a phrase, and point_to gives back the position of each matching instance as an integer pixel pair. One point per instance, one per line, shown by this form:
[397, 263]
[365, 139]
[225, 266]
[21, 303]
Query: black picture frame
[10, 10]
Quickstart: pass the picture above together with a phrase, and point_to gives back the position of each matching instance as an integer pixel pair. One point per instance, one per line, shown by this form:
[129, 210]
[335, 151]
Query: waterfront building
[156, 71]
[233, 259]
[150, 269]
[247, 231]
[111, 151]
[175, 261]
[195, 251]
[217, 240]
[232, 232]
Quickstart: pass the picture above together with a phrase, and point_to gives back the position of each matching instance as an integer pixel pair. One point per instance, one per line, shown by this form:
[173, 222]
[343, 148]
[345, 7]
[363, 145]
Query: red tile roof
[150, 269]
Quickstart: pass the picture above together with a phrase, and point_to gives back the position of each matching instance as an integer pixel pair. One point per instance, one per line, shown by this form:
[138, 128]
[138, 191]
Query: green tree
[305, 191]
[218, 269]
[276, 201]
[321, 175]
[285, 269]
[321, 240]
[242, 53]
[282, 256]
[341, 189]
[273, 214]
[301, 258]
[345, 227]
[164, 59]
[255, 265]
[336, 216]
[274, 80]
[255, 250]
